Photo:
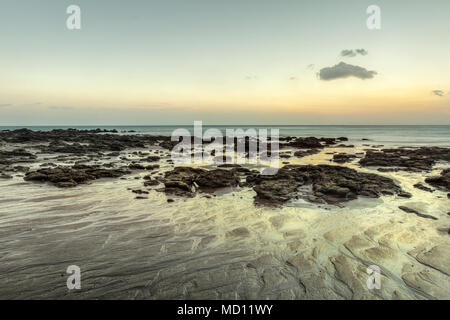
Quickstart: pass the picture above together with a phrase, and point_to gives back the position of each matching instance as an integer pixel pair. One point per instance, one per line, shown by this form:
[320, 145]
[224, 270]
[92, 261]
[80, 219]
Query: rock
[307, 152]
[409, 159]
[345, 146]
[186, 179]
[151, 182]
[422, 187]
[80, 141]
[139, 191]
[405, 194]
[217, 178]
[333, 184]
[152, 158]
[65, 177]
[343, 158]
[445, 230]
[441, 182]
[16, 156]
[136, 166]
[409, 210]
[305, 143]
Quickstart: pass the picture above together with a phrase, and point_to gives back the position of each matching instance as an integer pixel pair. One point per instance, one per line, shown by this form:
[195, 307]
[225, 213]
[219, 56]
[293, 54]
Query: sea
[394, 135]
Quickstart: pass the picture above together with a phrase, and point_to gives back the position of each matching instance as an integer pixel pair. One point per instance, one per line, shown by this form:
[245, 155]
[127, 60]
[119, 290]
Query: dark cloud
[348, 53]
[362, 52]
[353, 53]
[438, 93]
[5, 105]
[344, 70]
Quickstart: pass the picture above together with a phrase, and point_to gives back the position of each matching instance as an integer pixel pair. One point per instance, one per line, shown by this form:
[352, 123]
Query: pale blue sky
[172, 62]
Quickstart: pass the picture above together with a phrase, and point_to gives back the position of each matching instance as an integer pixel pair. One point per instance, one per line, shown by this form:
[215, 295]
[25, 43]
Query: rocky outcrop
[80, 141]
[307, 152]
[409, 210]
[343, 157]
[416, 159]
[65, 177]
[441, 182]
[185, 181]
[330, 184]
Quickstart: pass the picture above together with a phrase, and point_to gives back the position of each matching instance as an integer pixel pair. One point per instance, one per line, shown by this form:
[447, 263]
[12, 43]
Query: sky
[224, 62]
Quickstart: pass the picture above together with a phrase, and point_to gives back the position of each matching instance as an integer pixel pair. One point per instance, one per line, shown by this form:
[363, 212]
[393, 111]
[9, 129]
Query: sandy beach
[141, 228]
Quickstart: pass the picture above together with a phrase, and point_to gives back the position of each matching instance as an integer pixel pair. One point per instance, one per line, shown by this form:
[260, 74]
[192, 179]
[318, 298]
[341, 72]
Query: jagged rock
[441, 182]
[186, 179]
[343, 158]
[409, 210]
[333, 184]
[409, 159]
[304, 153]
[65, 177]
[422, 187]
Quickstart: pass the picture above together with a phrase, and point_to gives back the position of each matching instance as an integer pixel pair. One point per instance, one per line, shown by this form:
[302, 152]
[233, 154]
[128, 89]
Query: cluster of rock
[343, 157]
[408, 159]
[66, 177]
[16, 156]
[330, 184]
[310, 142]
[80, 141]
[320, 183]
[185, 181]
[441, 182]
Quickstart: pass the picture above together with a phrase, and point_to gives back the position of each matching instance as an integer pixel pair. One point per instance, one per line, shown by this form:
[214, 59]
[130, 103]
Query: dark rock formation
[186, 180]
[416, 159]
[80, 141]
[409, 210]
[343, 157]
[422, 187]
[307, 152]
[331, 184]
[441, 182]
[305, 143]
[65, 177]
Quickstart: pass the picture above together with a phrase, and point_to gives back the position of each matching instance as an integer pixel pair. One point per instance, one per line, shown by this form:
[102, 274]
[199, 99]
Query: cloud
[5, 105]
[353, 53]
[348, 53]
[310, 66]
[438, 93]
[362, 52]
[344, 70]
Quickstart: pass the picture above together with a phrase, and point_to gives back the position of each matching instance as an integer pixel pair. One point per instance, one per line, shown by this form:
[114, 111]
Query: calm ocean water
[389, 135]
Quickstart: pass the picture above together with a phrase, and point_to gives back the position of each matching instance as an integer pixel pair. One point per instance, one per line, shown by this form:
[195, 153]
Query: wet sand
[219, 247]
